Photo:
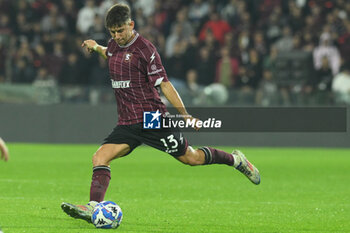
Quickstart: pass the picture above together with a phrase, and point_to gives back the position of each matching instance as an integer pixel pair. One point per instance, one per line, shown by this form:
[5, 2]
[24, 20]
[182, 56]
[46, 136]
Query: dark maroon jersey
[135, 71]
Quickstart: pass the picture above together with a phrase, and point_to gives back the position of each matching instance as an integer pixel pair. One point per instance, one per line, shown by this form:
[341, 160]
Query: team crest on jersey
[127, 57]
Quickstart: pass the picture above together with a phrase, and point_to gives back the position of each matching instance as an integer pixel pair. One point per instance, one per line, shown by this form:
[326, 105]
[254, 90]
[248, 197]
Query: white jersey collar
[131, 42]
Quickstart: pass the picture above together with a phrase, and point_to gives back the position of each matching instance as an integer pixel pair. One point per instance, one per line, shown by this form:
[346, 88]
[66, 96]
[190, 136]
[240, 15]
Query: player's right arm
[4, 150]
[91, 46]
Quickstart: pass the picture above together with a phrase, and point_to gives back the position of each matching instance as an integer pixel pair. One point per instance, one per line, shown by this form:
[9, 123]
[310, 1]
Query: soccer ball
[107, 215]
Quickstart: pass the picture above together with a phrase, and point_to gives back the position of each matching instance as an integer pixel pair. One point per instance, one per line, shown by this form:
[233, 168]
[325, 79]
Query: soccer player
[137, 73]
[4, 150]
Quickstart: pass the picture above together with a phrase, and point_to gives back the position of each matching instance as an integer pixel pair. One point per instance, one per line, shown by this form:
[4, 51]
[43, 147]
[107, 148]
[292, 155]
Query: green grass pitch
[302, 190]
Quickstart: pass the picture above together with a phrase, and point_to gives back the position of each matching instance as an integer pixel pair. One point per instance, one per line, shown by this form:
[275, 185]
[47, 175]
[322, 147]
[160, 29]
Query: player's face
[122, 34]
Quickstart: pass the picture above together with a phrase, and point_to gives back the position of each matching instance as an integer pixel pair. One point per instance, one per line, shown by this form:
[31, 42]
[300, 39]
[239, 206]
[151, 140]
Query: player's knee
[98, 159]
[192, 157]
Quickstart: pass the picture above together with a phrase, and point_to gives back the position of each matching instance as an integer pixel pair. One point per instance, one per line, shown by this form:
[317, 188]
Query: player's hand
[89, 45]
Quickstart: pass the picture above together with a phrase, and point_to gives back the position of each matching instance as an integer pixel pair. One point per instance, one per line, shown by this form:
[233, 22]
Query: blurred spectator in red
[218, 26]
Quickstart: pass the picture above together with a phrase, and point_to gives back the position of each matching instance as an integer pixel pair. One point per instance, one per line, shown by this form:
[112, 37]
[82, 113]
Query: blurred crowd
[208, 47]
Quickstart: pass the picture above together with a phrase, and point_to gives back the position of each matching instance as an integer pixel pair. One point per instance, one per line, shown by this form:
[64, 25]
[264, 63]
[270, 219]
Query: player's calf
[215, 156]
[192, 157]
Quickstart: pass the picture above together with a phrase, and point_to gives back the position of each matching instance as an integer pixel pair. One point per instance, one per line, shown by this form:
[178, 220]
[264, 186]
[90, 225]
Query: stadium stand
[269, 52]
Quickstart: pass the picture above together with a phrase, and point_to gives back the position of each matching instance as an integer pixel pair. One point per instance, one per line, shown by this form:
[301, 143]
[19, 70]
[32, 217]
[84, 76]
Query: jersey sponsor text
[120, 84]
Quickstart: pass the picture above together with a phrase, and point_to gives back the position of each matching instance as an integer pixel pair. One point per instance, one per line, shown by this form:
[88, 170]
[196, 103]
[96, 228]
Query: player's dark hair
[117, 15]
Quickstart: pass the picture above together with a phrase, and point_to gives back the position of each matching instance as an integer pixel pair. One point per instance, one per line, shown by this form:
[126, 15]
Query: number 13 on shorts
[170, 143]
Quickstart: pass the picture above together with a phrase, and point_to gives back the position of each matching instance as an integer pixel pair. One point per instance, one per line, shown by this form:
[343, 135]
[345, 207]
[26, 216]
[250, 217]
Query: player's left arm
[174, 98]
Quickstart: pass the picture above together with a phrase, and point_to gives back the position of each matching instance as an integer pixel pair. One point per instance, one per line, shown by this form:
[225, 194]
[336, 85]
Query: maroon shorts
[169, 140]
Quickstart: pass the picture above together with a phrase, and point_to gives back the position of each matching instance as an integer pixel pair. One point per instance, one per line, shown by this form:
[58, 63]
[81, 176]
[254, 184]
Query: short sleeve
[111, 46]
[155, 69]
